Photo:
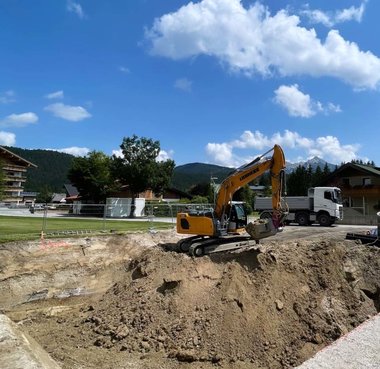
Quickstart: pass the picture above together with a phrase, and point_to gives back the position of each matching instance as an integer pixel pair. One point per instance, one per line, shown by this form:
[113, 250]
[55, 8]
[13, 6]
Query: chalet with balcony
[14, 169]
[360, 185]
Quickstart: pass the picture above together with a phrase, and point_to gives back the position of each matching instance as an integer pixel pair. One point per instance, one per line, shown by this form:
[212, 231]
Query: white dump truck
[322, 205]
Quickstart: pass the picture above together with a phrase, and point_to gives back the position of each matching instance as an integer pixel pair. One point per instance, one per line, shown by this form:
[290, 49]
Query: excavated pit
[129, 302]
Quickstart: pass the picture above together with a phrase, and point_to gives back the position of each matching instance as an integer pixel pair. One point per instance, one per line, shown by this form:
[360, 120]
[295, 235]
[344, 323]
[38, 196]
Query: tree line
[97, 176]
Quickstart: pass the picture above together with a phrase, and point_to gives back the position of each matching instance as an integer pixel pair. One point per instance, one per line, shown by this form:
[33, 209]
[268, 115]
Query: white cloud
[302, 105]
[351, 13]
[331, 18]
[221, 153]
[165, 155]
[250, 139]
[162, 156]
[183, 84]
[55, 95]
[74, 150]
[19, 120]
[118, 153]
[7, 138]
[124, 70]
[325, 147]
[68, 112]
[76, 8]
[254, 41]
[8, 97]
[294, 101]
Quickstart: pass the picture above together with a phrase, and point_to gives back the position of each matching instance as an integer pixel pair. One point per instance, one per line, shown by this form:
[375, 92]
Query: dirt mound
[272, 307]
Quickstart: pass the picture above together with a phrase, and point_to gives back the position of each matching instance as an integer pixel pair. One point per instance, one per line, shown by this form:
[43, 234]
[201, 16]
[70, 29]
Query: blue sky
[215, 81]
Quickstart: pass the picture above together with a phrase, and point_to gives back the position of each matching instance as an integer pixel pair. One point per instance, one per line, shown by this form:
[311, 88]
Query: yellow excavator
[225, 227]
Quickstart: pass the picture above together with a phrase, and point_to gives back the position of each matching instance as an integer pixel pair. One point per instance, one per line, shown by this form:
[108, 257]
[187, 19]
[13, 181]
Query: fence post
[104, 216]
[44, 219]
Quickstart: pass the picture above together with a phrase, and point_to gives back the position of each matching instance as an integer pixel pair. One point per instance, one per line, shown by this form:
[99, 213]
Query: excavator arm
[247, 174]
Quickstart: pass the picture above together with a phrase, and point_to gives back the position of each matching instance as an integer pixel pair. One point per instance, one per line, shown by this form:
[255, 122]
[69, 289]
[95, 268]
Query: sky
[214, 81]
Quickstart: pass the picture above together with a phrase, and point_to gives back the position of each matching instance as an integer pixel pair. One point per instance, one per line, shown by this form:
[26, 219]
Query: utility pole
[213, 186]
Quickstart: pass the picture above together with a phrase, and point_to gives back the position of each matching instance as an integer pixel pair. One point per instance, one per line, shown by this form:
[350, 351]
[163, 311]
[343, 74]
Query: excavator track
[196, 246]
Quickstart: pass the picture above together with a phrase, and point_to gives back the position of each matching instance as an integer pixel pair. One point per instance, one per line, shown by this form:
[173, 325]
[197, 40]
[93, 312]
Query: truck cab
[326, 200]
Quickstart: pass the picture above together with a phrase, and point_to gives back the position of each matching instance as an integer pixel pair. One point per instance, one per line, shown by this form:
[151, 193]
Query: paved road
[359, 349]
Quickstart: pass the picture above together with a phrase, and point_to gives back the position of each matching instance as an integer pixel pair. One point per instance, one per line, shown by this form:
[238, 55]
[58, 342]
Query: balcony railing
[15, 178]
[16, 168]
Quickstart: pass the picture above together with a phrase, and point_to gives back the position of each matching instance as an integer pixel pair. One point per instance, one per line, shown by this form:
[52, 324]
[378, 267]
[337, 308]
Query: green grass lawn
[29, 228]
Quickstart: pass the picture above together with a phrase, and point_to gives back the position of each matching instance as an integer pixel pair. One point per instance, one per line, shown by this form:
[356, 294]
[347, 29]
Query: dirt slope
[267, 308]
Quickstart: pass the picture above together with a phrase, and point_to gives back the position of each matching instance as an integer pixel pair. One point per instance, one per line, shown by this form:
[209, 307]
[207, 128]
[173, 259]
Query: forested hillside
[186, 176]
[51, 171]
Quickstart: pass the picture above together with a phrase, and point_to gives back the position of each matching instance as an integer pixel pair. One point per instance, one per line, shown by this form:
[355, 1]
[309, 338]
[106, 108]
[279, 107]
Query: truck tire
[324, 220]
[302, 218]
[266, 215]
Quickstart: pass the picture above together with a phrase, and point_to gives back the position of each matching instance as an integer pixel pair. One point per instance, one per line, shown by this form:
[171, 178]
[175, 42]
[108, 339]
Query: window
[367, 181]
[328, 195]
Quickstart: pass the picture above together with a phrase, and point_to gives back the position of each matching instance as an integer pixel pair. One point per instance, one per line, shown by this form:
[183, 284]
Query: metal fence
[89, 218]
[93, 218]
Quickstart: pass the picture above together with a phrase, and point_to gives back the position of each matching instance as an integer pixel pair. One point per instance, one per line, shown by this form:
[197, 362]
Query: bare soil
[143, 306]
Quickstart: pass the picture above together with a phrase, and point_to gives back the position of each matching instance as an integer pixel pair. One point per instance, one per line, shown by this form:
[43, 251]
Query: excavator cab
[237, 219]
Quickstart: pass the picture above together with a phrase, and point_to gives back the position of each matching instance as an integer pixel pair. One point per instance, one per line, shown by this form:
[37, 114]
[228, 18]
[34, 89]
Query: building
[29, 198]
[170, 194]
[360, 186]
[14, 168]
[72, 193]
[260, 190]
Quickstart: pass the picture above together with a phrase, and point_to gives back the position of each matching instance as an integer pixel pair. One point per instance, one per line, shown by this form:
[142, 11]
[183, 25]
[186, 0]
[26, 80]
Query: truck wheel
[302, 219]
[324, 220]
[266, 215]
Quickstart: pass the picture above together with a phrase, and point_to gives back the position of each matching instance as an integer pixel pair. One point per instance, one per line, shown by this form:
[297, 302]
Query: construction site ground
[130, 301]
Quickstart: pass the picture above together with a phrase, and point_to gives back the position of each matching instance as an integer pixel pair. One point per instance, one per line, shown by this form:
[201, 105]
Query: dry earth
[130, 302]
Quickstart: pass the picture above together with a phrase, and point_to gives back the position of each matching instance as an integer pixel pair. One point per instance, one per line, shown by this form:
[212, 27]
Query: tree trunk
[133, 207]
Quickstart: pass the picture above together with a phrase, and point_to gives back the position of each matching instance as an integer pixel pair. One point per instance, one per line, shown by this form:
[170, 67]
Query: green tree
[91, 175]
[326, 171]
[298, 182]
[45, 194]
[139, 169]
[198, 199]
[246, 195]
[317, 177]
[200, 189]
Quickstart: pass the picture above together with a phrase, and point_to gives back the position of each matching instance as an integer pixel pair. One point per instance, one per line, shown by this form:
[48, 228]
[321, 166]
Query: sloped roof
[58, 197]
[364, 169]
[367, 169]
[178, 192]
[15, 157]
[71, 190]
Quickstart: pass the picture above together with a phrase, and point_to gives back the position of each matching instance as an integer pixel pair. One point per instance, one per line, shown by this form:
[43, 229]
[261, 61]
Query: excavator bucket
[261, 228]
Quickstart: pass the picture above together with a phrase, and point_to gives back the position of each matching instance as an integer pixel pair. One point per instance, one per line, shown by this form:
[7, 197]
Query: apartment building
[14, 169]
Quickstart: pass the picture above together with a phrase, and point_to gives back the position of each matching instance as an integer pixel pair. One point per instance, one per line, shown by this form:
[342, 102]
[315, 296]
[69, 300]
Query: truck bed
[294, 203]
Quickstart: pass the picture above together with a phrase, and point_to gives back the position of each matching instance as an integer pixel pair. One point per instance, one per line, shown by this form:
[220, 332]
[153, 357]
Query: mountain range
[53, 166]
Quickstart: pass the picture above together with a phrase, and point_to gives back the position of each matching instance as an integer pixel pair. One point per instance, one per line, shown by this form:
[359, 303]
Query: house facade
[360, 186]
[15, 170]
